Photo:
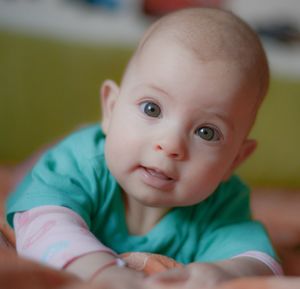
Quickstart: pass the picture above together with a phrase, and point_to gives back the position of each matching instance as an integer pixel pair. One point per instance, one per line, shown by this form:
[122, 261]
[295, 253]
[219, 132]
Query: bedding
[17, 273]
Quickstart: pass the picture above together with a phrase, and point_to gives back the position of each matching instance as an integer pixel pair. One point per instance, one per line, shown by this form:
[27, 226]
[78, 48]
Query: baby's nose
[173, 147]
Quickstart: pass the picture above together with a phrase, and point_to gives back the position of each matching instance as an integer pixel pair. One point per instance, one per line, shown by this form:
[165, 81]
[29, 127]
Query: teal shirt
[74, 174]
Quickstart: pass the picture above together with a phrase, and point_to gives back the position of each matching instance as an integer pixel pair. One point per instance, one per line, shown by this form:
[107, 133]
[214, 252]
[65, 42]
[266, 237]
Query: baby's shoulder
[233, 185]
[86, 143]
[81, 152]
[227, 194]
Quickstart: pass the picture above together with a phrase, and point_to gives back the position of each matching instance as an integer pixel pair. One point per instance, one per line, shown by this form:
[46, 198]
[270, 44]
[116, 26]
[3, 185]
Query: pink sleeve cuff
[264, 258]
[54, 235]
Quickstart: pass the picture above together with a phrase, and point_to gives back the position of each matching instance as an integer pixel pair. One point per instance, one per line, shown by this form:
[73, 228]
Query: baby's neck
[141, 219]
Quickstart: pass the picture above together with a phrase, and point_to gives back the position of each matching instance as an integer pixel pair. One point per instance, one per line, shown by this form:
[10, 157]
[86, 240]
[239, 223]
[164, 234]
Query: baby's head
[178, 124]
[211, 36]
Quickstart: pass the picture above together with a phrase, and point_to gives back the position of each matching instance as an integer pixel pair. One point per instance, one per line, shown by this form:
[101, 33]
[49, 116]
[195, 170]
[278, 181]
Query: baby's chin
[164, 202]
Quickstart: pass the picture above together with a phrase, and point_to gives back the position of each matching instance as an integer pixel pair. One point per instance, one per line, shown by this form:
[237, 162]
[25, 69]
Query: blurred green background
[49, 87]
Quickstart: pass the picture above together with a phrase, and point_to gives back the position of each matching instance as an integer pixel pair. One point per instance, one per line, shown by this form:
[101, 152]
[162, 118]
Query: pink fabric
[54, 235]
[264, 258]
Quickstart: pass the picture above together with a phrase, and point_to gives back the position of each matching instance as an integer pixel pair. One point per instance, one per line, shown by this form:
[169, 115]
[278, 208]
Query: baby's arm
[208, 275]
[240, 266]
[60, 238]
[106, 269]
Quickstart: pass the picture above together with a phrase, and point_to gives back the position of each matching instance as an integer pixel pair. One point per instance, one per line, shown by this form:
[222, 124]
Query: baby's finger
[170, 277]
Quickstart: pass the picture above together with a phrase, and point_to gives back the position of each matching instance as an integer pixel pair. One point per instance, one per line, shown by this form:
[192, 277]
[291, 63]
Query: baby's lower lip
[155, 179]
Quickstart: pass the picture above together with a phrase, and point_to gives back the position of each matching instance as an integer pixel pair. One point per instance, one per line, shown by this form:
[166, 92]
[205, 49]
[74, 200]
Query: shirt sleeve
[273, 265]
[230, 230]
[54, 235]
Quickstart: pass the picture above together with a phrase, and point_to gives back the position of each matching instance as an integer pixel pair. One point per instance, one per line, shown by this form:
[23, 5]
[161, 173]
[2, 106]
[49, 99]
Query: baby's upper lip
[160, 173]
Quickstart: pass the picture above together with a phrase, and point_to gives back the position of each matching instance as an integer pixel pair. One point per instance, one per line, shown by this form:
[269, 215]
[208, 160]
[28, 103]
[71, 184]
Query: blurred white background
[72, 20]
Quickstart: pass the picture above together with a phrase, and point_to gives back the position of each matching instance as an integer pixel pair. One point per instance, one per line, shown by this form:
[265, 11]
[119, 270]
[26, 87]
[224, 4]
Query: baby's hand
[195, 275]
[115, 277]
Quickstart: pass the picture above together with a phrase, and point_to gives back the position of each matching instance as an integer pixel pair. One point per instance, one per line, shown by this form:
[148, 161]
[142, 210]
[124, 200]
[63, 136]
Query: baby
[157, 175]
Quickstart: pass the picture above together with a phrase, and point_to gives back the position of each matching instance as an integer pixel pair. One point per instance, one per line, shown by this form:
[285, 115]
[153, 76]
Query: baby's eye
[208, 133]
[151, 109]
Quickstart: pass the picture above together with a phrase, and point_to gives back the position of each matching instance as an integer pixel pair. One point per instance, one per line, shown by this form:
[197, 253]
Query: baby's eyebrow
[151, 87]
[225, 119]
[212, 113]
[154, 87]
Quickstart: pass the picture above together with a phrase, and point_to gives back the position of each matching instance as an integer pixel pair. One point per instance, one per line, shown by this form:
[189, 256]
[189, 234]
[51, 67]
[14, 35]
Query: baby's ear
[246, 150]
[109, 93]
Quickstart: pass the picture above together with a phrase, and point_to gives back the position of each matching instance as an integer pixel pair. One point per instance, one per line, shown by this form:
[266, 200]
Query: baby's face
[178, 126]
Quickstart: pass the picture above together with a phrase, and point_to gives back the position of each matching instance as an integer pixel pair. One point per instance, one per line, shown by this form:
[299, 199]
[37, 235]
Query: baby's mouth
[158, 174]
[157, 178]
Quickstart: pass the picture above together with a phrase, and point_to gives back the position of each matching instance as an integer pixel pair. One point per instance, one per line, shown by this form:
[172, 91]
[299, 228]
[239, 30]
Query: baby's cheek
[200, 183]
